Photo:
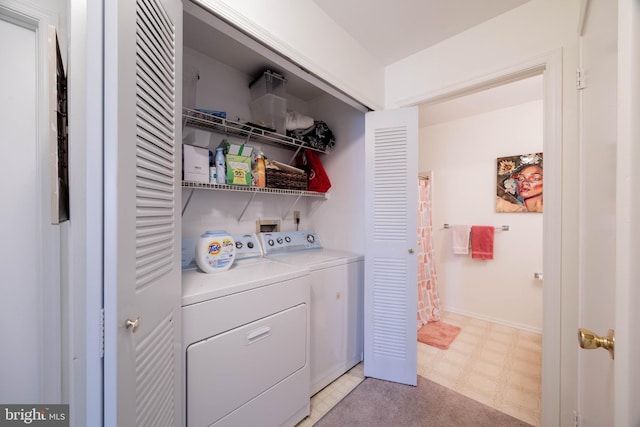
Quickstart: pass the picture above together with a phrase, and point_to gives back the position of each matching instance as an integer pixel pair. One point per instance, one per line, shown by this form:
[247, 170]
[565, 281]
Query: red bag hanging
[318, 179]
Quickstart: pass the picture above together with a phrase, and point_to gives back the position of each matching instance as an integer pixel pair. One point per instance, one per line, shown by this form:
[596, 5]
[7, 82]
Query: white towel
[295, 121]
[460, 235]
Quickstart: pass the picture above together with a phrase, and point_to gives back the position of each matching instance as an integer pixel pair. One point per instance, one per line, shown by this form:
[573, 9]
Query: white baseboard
[493, 320]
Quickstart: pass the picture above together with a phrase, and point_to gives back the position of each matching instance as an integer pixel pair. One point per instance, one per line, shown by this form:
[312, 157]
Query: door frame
[83, 250]
[550, 65]
[627, 371]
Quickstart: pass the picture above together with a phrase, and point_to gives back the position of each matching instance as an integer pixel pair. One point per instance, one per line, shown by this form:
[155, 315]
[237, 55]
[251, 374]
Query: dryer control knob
[270, 242]
[311, 238]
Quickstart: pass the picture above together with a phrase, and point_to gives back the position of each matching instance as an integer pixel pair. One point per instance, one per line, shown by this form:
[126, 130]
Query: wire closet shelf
[251, 189]
[209, 122]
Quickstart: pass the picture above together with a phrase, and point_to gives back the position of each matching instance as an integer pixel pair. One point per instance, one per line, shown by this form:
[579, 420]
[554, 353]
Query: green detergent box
[236, 149]
[238, 170]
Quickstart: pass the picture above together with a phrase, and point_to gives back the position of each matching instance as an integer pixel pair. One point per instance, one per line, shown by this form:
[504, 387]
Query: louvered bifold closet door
[155, 140]
[390, 260]
[155, 204]
[142, 221]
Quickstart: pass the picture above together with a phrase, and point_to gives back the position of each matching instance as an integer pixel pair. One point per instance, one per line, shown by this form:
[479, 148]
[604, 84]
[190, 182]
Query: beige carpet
[377, 403]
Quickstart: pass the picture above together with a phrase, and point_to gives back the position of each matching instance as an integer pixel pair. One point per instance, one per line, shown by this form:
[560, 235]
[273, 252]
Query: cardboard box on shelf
[195, 163]
[217, 113]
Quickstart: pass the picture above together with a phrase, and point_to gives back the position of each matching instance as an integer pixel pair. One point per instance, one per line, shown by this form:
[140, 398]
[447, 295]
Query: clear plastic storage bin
[268, 83]
[270, 111]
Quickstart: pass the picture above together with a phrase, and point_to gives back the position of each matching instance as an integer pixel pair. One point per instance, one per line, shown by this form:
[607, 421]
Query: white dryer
[246, 342]
[337, 300]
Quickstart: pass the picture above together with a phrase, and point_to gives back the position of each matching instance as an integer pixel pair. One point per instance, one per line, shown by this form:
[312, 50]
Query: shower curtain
[428, 299]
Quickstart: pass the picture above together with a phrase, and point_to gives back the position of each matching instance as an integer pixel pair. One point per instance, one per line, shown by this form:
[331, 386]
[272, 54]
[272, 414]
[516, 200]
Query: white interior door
[142, 364]
[391, 171]
[598, 213]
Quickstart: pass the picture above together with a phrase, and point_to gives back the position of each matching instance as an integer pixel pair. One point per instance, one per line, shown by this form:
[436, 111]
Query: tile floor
[494, 364]
[497, 365]
[328, 397]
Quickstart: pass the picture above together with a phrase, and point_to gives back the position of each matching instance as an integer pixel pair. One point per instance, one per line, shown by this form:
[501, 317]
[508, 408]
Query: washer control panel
[289, 241]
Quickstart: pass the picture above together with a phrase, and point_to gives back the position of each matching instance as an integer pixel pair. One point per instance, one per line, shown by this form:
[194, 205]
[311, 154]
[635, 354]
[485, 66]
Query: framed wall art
[58, 132]
[520, 183]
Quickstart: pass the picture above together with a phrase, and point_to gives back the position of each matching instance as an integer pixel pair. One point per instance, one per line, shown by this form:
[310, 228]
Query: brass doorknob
[589, 340]
[133, 324]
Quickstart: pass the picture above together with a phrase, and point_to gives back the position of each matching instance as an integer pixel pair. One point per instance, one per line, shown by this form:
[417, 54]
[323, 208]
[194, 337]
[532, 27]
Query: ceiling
[495, 98]
[392, 30]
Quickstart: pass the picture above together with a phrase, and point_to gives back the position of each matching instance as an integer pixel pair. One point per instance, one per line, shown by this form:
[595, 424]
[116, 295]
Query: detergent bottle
[261, 173]
[215, 251]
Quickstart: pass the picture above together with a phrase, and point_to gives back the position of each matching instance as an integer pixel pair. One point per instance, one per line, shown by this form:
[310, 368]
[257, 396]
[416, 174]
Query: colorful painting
[519, 183]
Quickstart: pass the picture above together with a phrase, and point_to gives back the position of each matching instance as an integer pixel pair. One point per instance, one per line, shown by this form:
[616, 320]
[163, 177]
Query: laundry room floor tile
[501, 366]
[328, 397]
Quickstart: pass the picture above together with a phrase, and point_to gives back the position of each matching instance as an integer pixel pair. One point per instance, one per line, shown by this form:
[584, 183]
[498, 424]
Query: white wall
[303, 32]
[462, 155]
[21, 294]
[31, 362]
[337, 220]
[340, 219]
[535, 28]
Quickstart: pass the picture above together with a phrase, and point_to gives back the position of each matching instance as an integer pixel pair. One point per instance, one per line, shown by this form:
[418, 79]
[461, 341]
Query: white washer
[337, 301]
[246, 342]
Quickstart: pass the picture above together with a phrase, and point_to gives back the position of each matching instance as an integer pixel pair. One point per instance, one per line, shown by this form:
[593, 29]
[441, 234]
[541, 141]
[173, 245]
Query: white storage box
[195, 163]
[270, 111]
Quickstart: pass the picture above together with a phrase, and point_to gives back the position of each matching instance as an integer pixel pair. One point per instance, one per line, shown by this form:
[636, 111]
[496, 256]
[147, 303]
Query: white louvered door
[142, 365]
[390, 261]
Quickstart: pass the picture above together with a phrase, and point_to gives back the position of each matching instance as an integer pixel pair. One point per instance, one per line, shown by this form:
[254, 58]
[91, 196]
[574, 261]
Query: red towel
[482, 242]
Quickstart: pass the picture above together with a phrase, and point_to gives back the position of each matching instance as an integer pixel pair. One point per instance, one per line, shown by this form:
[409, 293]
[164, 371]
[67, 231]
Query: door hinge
[576, 418]
[580, 79]
[102, 333]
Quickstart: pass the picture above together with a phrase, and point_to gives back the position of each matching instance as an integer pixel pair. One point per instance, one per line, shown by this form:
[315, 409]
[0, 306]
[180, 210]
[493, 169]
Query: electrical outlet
[296, 217]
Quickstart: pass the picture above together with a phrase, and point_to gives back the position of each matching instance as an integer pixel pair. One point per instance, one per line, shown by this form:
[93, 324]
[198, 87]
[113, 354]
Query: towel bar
[501, 228]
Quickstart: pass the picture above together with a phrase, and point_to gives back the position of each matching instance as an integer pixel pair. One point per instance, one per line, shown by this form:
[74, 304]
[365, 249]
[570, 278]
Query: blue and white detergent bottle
[221, 171]
[215, 251]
